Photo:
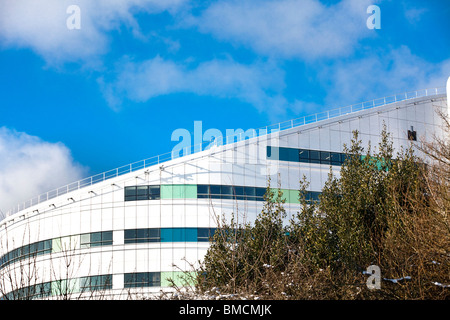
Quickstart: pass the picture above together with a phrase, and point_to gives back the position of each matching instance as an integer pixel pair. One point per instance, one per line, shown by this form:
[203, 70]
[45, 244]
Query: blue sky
[76, 102]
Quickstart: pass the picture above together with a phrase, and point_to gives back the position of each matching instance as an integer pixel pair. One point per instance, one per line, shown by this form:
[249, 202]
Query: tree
[241, 255]
[383, 210]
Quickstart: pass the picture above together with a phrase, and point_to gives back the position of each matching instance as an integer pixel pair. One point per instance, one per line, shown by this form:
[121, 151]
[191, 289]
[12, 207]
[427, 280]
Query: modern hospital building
[126, 232]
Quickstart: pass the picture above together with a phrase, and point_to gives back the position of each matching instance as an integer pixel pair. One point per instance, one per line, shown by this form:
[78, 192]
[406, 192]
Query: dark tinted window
[142, 279]
[305, 155]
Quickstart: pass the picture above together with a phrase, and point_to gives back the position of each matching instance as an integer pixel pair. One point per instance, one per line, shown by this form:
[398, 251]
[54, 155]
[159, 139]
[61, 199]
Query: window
[250, 191]
[335, 159]
[260, 192]
[305, 156]
[293, 154]
[270, 154]
[168, 235]
[42, 290]
[412, 135]
[142, 235]
[239, 193]
[58, 287]
[130, 193]
[142, 193]
[203, 191]
[95, 239]
[226, 192]
[178, 234]
[344, 157]
[134, 193]
[142, 279]
[154, 192]
[314, 156]
[215, 190]
[37, 291]
[205, 234]
[313, 196]
[230, 192]
[27, 251]
[281, 153]
[325, 157]
[94, 283]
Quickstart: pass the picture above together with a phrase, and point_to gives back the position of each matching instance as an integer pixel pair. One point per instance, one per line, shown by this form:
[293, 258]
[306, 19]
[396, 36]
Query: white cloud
[304, 29]
[381, 74]
[287, 28]
[346, 81]
[41, 25]
[259, 84]
[30, 166]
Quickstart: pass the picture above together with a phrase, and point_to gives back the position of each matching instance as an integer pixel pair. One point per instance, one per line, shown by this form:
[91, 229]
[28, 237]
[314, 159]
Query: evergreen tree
[241, 254]
[391, 211]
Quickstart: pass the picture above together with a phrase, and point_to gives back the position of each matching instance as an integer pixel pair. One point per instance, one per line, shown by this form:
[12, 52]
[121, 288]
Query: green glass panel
[285, 195]
[179, 278]
[56, 245]
[166, 192]
[191, 191]
[293, 196]
[179, 191]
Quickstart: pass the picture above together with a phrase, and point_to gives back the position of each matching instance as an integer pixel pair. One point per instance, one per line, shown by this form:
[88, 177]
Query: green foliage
[240, 254]
[376, 211]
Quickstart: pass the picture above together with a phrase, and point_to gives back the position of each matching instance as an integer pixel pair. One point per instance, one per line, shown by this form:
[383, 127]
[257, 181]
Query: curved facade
[128, 235]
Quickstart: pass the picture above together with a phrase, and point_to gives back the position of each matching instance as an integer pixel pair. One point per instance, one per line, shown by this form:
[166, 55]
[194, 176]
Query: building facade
[129, 232]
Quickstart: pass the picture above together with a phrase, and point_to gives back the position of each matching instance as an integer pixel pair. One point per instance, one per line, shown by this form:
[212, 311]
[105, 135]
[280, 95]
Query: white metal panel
[324, 135]
[335, 141]
[304, 140]
[314, 139]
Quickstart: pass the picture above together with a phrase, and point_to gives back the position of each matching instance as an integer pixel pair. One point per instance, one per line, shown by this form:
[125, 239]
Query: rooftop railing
[197, 148]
